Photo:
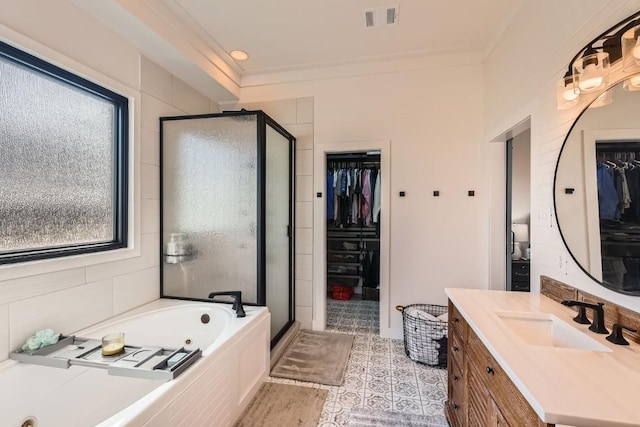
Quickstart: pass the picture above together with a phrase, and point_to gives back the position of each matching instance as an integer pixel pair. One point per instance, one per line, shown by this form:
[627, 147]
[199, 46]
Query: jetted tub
[212, 392]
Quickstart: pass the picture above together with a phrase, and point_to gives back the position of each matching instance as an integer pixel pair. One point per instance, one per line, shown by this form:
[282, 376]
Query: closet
[618, 176]
[353, 231]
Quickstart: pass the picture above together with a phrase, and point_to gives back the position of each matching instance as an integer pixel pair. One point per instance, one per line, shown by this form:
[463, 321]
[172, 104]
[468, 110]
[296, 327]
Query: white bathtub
[211, 392]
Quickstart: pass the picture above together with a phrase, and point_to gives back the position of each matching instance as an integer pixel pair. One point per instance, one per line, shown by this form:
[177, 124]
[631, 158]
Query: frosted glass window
[62, 161]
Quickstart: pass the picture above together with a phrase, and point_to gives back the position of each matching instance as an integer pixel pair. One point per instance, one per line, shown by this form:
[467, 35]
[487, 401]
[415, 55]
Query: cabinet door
[479, 400]
[497, 419]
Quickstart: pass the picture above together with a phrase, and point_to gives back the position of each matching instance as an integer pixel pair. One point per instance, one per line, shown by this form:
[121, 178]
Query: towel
[40, 339]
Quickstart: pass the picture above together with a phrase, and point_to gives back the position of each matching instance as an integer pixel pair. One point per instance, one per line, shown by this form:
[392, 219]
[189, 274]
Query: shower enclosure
[227, 210]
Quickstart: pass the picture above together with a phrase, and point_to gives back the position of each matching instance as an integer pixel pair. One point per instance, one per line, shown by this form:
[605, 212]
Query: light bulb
[590, 79]
[569, 94]
[635, 81]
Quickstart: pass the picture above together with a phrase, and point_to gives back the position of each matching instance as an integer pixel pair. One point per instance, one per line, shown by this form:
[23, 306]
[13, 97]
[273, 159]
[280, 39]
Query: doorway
[518, 211]
[353, 241]
[321, 292]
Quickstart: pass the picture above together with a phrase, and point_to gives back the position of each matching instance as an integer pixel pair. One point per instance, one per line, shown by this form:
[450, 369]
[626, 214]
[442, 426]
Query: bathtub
[212, 392]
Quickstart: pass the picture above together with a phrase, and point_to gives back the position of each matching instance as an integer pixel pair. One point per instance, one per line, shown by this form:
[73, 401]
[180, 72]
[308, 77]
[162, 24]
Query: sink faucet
[237, 301]
[597, 325]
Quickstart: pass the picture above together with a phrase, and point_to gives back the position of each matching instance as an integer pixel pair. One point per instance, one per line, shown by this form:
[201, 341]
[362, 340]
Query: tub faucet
[597, 325]
[237, 301]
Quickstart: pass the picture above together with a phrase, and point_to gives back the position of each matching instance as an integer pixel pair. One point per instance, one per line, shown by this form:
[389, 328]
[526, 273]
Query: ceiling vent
[381, 16]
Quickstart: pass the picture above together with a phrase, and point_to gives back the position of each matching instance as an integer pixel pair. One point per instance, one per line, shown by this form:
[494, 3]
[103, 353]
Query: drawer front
[456, 392]
[456, 321]
[456, 383]
[347, 244]
[343, 257]
[454, 414]
[456, 348]
[508, 399]
[519, 272]
[520, 286]
[348, 269]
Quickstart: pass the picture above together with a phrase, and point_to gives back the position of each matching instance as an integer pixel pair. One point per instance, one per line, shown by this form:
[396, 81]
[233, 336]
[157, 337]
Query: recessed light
[239, 55]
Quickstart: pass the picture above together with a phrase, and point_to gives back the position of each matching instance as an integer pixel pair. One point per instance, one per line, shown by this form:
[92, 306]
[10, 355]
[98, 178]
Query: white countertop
[563, 385]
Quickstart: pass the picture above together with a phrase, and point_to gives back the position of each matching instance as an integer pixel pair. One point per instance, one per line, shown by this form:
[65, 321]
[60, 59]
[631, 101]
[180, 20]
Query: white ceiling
[283, 35]
[297, 38]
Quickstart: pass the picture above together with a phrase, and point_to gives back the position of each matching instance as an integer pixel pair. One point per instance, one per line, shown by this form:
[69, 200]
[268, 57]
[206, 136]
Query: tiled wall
[71, 299]
[296, 115]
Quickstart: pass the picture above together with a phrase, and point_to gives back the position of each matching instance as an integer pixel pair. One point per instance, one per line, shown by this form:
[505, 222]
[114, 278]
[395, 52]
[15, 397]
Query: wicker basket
[425, 341]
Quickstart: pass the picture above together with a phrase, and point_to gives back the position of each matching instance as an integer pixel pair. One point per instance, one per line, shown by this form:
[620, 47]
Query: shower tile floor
[379, 375]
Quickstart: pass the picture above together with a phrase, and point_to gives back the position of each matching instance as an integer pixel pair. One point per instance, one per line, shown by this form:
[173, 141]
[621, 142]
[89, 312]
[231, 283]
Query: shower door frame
[263, 120]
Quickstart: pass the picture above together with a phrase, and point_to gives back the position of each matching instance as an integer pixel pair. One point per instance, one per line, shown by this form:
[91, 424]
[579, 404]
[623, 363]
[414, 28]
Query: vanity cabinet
[480, 393]
[520, 275]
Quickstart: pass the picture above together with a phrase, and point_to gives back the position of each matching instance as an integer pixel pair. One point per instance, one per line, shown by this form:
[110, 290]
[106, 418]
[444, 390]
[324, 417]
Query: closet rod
[613, 147]
[353, 157]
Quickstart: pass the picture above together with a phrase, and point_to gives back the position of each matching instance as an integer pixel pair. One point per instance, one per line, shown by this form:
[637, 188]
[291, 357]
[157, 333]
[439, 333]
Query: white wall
[521, 73]
[68, 297]
[435, 127]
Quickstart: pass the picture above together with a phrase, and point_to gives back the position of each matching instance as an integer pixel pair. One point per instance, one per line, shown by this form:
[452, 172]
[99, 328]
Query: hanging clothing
[351, 195]
[366, 195]
[607, 193]
[330, 195]
[376, 198]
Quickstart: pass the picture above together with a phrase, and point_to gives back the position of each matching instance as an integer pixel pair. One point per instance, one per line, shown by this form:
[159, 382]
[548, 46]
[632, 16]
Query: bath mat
[318, 357]
[284, 405]
[373, 418]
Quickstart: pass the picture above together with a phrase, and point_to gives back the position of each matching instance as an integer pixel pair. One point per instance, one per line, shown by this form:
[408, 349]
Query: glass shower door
[209, 206]
[278, 253]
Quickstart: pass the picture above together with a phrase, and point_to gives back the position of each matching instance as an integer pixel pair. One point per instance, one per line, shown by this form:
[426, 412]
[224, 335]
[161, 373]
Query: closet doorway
[353, 241]
[518, 211]
[351, 232]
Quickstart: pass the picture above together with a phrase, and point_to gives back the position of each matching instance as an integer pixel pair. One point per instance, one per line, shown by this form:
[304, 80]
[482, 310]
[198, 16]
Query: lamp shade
[592, 72]
[520, 232]
[631, 50]
[605, 98]
[632, 83]
[567, 93]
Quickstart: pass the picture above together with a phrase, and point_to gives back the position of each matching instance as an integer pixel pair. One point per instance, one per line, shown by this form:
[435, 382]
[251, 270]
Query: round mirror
[597, 189]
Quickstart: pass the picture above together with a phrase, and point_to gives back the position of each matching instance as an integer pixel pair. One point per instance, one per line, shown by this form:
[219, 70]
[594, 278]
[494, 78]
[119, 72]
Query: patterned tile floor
[379, 375]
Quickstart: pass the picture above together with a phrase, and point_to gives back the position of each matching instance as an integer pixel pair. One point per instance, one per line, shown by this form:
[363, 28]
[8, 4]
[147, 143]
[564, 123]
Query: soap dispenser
[178, 249]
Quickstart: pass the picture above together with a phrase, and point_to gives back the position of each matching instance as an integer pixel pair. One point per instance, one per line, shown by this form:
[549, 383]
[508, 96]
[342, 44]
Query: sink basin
[544, 329]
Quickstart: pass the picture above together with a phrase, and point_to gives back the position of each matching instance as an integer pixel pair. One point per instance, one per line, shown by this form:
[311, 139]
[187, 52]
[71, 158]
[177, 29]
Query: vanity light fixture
[239, 55]
[591, 72]
[588, 71]
[631, 49]
[632, 84]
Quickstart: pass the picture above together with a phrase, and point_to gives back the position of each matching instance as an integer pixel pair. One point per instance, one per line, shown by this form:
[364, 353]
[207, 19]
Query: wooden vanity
[500, 376]
[479, 391]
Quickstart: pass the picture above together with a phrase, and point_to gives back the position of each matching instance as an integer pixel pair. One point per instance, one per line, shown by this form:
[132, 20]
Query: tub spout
[237, 300]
